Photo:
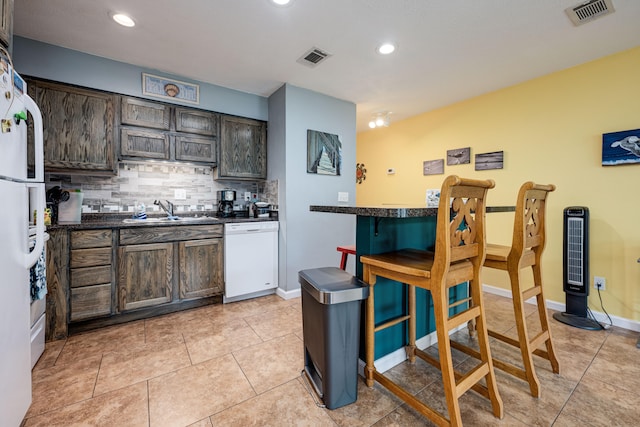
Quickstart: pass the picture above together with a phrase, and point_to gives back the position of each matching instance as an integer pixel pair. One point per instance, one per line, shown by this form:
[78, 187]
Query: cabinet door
[144, 143]
[195, 121]
[6, 22]
[195, 148]
[201, 268]
[243, 149]
[145, 275]
[78, 128]
[149, 114]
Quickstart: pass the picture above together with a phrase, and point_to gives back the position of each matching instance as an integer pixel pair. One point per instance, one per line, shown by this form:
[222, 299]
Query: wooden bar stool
[524, 252]
[346, 250]
[458, 257]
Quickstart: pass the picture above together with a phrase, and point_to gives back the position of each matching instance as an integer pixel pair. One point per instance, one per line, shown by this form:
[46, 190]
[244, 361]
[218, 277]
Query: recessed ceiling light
[386, 48]
[281, 2]
[123, 20]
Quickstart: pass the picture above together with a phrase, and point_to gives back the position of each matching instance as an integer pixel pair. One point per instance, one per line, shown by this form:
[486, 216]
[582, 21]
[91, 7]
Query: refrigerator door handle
[38, 137]
[32, 257]
[36, 183]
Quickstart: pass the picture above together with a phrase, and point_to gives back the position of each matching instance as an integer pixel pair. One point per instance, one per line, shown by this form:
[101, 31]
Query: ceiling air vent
[589, 11]
[313, 57]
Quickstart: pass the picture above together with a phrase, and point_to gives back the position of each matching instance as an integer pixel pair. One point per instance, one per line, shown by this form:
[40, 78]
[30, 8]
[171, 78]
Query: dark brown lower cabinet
[201, 268]
[145, 275]
[105, 276]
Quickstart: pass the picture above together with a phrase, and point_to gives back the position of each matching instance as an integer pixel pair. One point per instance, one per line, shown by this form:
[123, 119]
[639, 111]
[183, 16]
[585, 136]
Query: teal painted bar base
[376, 235]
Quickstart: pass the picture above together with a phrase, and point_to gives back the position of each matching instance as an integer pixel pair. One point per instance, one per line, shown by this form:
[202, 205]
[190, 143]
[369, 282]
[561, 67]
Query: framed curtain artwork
[324, 153]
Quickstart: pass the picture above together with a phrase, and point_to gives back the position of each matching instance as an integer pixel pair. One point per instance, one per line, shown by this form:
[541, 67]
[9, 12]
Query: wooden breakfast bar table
[388, 228]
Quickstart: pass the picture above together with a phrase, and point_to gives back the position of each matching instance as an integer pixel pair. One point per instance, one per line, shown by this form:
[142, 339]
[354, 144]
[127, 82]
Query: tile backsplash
[144, 182]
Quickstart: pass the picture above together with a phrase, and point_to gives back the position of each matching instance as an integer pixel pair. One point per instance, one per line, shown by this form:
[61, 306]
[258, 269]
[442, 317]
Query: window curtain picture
[324, 153]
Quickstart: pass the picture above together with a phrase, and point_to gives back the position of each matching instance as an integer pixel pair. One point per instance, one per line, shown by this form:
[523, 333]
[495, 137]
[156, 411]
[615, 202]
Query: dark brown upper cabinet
[243, 149]
[195, 121]
[78, 128]
[138, 112]
[6, 23]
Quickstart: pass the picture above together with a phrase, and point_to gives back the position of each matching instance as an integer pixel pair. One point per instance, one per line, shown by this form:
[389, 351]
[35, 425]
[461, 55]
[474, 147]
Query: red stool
[346, 250]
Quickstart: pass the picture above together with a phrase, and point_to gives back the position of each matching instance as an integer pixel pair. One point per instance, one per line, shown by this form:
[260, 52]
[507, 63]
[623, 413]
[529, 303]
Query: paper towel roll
[69, 212]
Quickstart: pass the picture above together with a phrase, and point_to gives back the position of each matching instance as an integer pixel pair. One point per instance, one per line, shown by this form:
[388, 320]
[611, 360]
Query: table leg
[411, 347]
[369, 328]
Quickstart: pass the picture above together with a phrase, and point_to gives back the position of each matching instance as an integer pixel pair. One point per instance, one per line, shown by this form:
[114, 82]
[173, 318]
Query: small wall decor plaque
[324, 153]
[487, 161]
[433, 167]
[459, 156]
[433, 197]
[619, 148]
[361, 173]
[162, 87]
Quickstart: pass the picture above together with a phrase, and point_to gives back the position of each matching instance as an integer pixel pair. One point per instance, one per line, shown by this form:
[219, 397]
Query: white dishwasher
[250, 259]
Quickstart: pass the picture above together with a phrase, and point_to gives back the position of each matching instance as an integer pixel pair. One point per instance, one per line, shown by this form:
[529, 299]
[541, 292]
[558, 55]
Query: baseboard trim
[621, 322]
[392, 359]
[288, 294]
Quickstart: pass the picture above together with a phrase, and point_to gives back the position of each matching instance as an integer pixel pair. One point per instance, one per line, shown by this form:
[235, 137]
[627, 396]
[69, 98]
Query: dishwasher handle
[251, 228]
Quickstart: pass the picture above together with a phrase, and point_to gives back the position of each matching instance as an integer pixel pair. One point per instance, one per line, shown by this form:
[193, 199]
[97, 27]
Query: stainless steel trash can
[331, 303]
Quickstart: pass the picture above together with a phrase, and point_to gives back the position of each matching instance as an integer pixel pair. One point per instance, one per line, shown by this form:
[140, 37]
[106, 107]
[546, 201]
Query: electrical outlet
[599, 283]
[343, 196]
[180, 194]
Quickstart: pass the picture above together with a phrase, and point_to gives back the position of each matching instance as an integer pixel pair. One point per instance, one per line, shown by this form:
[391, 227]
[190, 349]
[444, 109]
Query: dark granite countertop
[394, 211]
[116, 220]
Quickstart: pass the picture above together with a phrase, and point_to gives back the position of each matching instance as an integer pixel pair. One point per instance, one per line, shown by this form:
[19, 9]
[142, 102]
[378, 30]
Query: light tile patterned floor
[239, 364]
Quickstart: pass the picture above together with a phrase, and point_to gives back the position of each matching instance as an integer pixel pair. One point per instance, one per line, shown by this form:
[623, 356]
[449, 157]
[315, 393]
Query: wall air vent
[313, 57]
[587, 12]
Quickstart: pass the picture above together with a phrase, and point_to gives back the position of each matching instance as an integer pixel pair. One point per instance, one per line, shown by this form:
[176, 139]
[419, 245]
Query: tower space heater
[575, 277]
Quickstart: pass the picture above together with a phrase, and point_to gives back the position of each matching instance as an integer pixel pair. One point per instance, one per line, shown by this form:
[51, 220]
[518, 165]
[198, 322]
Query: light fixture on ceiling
[123, 20]
[386, 48]
[281, 2]
[380, 120]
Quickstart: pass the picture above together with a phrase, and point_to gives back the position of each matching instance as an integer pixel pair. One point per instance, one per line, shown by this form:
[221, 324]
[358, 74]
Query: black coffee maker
[225, 203]
[54, 196]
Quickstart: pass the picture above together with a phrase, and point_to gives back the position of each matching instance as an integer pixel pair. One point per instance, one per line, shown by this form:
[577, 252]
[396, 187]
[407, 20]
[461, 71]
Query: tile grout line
[578, 383]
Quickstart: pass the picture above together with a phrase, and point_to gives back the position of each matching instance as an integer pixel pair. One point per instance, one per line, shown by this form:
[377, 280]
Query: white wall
[310, 238]
[37, 59]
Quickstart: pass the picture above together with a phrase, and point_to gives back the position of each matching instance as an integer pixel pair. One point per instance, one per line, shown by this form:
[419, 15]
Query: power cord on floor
[593, 317]
[605, 311]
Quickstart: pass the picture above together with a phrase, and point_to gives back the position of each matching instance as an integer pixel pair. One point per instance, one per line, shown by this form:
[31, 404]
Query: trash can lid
[331, 285]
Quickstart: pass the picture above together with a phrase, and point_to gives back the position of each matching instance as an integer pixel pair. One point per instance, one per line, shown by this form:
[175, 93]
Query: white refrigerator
[15, 257]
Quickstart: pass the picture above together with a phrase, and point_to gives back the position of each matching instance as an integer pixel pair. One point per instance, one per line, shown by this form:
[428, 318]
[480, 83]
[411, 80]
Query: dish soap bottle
[141, 211]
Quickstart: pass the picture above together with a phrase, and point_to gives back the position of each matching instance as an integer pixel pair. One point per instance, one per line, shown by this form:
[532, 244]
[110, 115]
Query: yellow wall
[550, 130]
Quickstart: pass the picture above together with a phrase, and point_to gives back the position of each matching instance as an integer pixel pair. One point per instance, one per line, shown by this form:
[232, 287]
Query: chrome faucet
[168, 209]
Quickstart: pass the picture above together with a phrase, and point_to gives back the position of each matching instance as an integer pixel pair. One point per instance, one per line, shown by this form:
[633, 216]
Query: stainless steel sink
[176, 220]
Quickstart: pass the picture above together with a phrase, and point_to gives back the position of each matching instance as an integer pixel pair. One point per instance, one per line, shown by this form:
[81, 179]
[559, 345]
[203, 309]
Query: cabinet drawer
[193, 121]
[145, 113]
[91, 239]
[196, 149]
[90, 276]
[90, 257]
[143, 143]
[141, 235]
[90, 301]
